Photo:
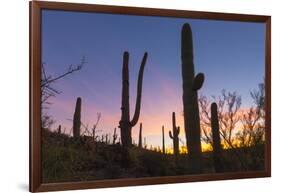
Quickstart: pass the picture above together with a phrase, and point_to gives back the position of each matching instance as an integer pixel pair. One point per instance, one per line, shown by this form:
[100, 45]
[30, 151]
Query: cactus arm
[139, 92]
[198, 81]
[170, 134]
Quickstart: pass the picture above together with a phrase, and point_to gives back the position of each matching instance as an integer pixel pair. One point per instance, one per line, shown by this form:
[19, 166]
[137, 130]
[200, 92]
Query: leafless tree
[95, 126]
[253, 123]
[252, 120]
[48, 90]
[228, 114]
[205, 119]
[228, 106]
[47, 121]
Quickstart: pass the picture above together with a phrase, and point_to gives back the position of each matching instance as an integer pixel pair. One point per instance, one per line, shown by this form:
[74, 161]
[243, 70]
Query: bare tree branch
[48, 91]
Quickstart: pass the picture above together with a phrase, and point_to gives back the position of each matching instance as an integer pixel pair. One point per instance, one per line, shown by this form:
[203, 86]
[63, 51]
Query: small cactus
[59, 129]
[144, 142]
[140, 136]
[175, 135]
[106, 139]
[217, 149]
[163, 140]
[114, 136]
[94, 134]
[77, 118]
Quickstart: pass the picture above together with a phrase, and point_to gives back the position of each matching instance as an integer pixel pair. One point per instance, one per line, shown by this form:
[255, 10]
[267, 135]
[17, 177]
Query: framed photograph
[123, 96]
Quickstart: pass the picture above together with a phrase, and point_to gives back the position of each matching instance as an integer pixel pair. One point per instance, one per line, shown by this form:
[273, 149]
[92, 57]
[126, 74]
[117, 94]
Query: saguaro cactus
[190, 86]
[163, 140]
[217, 149]
[77, 118]
[175, 135]
[140, 136]
[59, 129]
[144, 143]
[125, 123]
[114, 136]
[107, 139]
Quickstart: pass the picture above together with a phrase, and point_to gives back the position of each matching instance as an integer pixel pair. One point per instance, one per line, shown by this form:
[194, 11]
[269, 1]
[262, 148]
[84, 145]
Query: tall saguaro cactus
[191, 84]
[163, 140]
[217, 149]
[77, 118]
[125, 123]
[140, 136]
[175, 135]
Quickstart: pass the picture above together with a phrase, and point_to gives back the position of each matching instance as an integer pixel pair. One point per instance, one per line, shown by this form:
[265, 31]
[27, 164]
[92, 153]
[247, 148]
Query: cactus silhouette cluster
[191, 84]
[175, 135]
[126, 123]
[77, 118]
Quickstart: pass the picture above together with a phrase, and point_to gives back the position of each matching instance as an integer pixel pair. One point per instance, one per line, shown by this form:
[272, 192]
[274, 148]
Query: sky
[230, 54]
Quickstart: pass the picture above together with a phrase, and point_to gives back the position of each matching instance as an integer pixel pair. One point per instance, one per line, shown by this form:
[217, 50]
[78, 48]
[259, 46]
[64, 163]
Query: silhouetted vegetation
[68, 159]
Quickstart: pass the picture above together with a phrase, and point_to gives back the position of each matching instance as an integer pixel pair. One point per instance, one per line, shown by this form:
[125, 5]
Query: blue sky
[230, 54]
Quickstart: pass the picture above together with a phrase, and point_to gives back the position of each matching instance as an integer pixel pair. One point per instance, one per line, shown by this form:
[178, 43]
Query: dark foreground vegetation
[68, 159]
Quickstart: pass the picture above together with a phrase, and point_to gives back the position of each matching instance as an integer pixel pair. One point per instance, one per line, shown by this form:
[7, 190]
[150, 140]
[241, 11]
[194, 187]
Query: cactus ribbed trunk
[217, 149]
[163, 140]
[190, 100]
[140, 136]
[77, 118]
[175, 135]
[125, 123]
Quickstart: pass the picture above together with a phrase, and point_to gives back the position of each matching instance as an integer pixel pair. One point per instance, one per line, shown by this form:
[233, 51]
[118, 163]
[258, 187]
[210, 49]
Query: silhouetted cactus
[125, 123]
[163, 140]
[107, 139]
[114, 137]
[94, 134]
[217, 149]
[175, 135]
[140, 136]
[191, 85]
[59, 129]
[144, 143]
[77, 118]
